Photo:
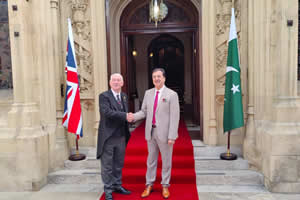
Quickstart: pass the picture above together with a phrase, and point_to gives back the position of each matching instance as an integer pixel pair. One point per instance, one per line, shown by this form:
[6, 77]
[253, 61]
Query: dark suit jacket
[112, 118]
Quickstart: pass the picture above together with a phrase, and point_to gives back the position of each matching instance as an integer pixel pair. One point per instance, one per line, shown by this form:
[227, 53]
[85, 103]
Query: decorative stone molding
[79, 8]
[223, 17]
[80, 13]
[82, 37]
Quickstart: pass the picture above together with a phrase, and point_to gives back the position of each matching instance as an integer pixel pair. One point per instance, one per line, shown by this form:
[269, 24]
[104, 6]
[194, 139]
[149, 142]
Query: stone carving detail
[82, 37]
[221, 60]
[223, 17]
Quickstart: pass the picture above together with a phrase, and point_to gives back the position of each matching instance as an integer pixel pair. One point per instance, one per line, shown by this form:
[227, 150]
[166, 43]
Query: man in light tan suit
[161, 129]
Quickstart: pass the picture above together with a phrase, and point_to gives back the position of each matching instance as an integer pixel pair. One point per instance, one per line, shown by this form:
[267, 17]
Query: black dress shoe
[108, 196]
[121, 190]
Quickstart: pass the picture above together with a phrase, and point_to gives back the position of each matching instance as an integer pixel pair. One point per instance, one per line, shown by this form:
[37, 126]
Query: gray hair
[116, 74]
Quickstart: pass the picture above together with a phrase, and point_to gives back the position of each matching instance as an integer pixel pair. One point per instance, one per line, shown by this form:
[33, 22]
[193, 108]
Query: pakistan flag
[233, 107]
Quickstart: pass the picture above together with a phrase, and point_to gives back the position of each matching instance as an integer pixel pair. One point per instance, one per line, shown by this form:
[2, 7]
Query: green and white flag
[233, 106]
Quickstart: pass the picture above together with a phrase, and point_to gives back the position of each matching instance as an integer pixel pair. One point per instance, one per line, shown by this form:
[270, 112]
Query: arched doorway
[167, 52]
[183, 20]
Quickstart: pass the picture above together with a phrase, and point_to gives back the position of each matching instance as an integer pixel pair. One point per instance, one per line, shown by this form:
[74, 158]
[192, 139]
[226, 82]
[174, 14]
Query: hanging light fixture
[157, 11]
[134, 52]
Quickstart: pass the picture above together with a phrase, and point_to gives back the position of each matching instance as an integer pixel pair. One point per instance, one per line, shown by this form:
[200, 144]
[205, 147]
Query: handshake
[130, 117]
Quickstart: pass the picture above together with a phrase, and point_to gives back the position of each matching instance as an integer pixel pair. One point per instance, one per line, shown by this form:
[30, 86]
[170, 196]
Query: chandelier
[157, 11]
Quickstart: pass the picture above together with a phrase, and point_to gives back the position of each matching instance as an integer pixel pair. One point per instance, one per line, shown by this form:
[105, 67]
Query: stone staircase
[220, 176]
[77, 176]
[213, 175]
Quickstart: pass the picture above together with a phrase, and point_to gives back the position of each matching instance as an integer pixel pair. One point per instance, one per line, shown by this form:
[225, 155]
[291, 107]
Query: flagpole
[228, 144]
[228, 155]
[72, 91]
[77, 156]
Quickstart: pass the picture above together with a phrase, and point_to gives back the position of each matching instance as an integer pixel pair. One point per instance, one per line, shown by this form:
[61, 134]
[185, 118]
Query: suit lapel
[113, 100]
[152, 96]
[124, 101]
[162, 96]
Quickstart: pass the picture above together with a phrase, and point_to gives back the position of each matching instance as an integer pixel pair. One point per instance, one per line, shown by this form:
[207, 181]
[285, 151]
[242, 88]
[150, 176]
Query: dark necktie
[154, 108]
[119, 101]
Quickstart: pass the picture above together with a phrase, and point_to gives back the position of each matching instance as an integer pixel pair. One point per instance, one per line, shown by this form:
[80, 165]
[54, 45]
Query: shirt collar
[115, 94]
[160, 90]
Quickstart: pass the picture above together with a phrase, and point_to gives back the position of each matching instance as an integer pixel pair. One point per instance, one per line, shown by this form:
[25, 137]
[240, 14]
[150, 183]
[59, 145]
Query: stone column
[249, 147]
[61, 145]
[208, 65]
[100, 60]
[28, 118]
[44, 55]
[276, 105]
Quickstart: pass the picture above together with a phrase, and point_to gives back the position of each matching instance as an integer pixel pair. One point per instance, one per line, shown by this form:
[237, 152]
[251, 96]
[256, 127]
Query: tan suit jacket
[167, 114]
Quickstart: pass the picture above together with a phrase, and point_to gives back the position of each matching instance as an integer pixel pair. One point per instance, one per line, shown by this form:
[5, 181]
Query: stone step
[132, 162]
[231, 189]
[229, 177]
[88, 163]
[73, 188]
[198, 143]
[82, 176]
[200, 150]
[89, 176]
[215, 151]
[201, 163]
[204, 177]
[193, 128]
[215, 163]
[200, 188]
[89, 152]
[213, 175]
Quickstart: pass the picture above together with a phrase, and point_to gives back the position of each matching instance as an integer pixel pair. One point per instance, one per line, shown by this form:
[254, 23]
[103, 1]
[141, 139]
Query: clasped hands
[130, 117]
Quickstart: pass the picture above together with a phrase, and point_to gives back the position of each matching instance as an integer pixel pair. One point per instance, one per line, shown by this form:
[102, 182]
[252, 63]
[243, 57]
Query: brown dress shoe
[165, 192]
[147, 191]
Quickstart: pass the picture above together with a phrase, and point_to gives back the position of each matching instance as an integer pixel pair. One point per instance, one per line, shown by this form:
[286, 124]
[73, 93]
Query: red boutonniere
[164, 100]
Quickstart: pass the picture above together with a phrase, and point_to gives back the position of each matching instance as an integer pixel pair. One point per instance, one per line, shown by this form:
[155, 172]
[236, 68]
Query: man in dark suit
[113, 135]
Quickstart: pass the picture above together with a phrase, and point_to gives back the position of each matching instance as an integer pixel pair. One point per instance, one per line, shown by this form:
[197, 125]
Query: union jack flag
[72, 118]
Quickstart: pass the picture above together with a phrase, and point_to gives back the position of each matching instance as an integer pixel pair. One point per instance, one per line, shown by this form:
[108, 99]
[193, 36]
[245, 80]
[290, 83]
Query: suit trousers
[112, 161]
[154, 147]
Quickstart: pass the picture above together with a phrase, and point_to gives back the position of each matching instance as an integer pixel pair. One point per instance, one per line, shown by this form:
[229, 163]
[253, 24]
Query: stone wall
[31, 144]
[273, 126]
[5, 60]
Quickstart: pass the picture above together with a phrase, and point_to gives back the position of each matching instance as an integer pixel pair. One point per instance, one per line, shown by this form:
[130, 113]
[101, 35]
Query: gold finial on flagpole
[232, 1]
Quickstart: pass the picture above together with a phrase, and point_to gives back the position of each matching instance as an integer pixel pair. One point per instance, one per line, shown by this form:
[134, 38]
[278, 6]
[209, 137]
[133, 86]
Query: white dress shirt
[115, 95]
[159, 94]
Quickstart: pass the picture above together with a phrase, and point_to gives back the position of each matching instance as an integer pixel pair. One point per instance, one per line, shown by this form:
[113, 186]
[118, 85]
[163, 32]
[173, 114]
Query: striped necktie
[119, 101]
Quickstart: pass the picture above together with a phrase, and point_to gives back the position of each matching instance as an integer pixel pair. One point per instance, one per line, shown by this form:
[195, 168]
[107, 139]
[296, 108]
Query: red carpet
[183, 179]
